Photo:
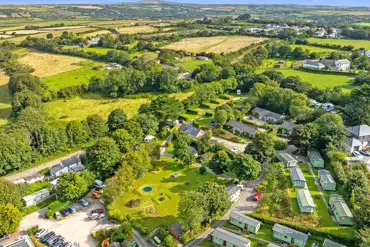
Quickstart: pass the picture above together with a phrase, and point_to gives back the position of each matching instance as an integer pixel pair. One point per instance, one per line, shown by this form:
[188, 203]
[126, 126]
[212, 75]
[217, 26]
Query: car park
[59, 242]
[83, 202]
[65, 212]
[72, 209]
[40, 232]
[47, 237]
[53, 240]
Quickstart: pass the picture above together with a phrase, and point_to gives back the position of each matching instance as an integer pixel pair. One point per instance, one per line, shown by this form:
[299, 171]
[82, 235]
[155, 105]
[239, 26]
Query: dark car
[97, 211]
[364, 152]
[65, 212]
[58, 243]
[47, 236]
[53, 240]
[72, 209]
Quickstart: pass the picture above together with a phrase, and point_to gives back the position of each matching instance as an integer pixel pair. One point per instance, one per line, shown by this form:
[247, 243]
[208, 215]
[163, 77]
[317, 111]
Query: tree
[148, 123]
[262, 146]
[123, 232]
[303, 135]
[10, 193]
[275, 171]
[207, 73]
[167, 80]
[77, 132]
[244, 17]
[219, 162]
[124, 140]
[103, 157]
[169, 241]
[166, 108]
[204, 142]
[221, 118]
[97, 126]
[139, 161]
[202, 170]
[191, 209]
[121, 182]
[24, 99]
[25, 81]
[116, 119]
[49, 36]
[10, 217]
[182, 148]
[72, 186]
[357, 108]
[362, 213]
[245, 167]
[134, 129]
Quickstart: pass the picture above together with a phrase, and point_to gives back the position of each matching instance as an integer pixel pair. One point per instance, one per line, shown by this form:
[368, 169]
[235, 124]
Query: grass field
[137, 29]
[74, 77]
[191, 64]
[5, 99]
[50, 64]
[98, 50]
[219, 44]
[152, 210]
[317, 49]
[356, 43]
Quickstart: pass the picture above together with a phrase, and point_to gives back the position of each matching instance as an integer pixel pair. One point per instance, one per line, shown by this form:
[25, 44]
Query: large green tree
[72, 186]
[10, 217]
[77, 132]
[357, 108]
[118, 184]
[97, 126]
[148, 123]
[164, 107]
[116, 119]
[219, 162]
[139, 161]
[124, 140]
[10, 193]
[262, 146]
[245, 167]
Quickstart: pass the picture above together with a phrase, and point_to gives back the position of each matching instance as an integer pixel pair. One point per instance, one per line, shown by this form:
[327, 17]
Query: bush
[209, 114]
[202, 170]
[225, 97]
[192, 112]
[205, 105]
[215, 102]
[56, 206]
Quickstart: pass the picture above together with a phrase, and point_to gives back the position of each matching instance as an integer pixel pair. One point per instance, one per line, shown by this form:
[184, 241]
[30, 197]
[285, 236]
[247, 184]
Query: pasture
[319, 50]
[160, 206]
[191, 64]
[356, 43]
[219, 44]
[97, 50]
[5, 99]
[137, 29]
[50, 64]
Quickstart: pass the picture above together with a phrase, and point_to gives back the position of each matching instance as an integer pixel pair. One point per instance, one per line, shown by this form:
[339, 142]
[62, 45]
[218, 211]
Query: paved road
[140, 240]
[35, 170]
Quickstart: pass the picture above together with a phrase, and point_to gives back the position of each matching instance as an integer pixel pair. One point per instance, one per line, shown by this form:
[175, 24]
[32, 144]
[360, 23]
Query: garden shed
[305, 201]
[327, 182]
[297, 178]
[286, 159]
[245, 223]
[315, 158]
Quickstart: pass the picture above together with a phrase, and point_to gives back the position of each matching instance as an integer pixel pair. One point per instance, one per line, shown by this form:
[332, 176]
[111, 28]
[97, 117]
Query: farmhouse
[305, 201]
[176, 230]
[191, 130]
[330, 243]
[234, 192]
[313, 64]
[238, 127]
[326, 180]
[267, 115]
[359, 137]
[36, 197]
[297, 178]
[221, 237]
[340, 209]
[289, 235]
[338, 65]
[245, 223]
[315, 158]
[72, 164]
[286, 159]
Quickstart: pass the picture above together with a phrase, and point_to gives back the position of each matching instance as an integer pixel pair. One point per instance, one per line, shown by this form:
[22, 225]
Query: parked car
[58, 243]
[356, 153]
[235, 149]
[99, 184]
[65, 212]
[364, 152]
[47, 236]
[68, 244]
[40, 232]
[72, 209]
[96, 216]
[83, 202]
[97, 211]
[57, 215]
[96, 194]
[257, 196]
[5, 237]
[53, 240]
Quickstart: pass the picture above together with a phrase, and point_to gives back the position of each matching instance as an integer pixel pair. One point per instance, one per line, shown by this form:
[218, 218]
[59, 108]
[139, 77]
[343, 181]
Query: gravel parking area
[74, 228]
[239, 148]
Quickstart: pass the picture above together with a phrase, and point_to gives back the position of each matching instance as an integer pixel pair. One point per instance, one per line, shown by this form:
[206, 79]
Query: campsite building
[221, 237]
[234, 192]
[35, 198]
[289, 235]
[330, 243]
[327, 182]
[245, 223]
[340, 209]
[297, 178]
[241, 128]
[267, 115]
[286, 159]
[305, 201]
[315, 158]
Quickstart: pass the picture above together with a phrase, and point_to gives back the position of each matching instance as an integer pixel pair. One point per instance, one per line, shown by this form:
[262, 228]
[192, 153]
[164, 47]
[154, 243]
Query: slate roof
[232, 189]
[313, 63]
[244, 218]
[305, 198]
[230, 237]
[192, 131]
[337, 202]
[263, 113]
[288, 125]
[176, 227]
[71, 161]
[289, 231]
[329, 243]
[242, 127]
[286, 156]
[360, 130]
[314, 155]
[36, 194]
[24, 242]
[353, 142]
[326, 177]
[296, 174]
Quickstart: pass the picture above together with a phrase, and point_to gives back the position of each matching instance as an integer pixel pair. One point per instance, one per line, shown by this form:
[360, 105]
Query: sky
[303, 2]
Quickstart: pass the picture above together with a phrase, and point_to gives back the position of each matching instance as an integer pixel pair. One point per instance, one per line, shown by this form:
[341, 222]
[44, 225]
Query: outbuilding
[315, 158]
[330, 243]
[297, 178]
[37, 197]
[234, 192]
[305, 201]
[176, 230]
[289, 235]
[327, 182]
[245, 223]
[286, 159]
[221, 237]
[340, 209]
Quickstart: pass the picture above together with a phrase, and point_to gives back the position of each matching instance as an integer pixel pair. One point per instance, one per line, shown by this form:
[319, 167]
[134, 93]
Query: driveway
[74, 228]
[229, 144]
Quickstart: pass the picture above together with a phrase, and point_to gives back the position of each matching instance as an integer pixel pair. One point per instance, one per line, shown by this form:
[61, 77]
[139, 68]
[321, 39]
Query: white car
[235, 149]
[40, 232]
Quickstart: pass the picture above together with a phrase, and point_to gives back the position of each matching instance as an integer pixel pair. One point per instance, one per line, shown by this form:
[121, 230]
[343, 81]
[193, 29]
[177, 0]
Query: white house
[363, 52]
[359, 137]
[338, 65]
[30, 179]
[36, 197]
[314, 64]
[202, 58]
[234, 192]
[72, 164]
[320, 33]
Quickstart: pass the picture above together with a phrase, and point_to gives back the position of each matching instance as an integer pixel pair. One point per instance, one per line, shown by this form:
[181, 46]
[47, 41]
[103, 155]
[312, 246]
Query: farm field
[160, 206]
[74, 77]
[5, 99]
[219, 44]
[92, 34]
[191, 64]
[317, 49]
[137, 29]
[98, 50]
[46, 64]
[356, 43]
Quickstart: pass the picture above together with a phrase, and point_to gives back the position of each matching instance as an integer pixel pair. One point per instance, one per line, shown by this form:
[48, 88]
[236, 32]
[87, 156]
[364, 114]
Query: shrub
[225, 97]
[215, 102]
[191, 111]
[202, 170]
[205, 105]
[209, 114]
[56, 206]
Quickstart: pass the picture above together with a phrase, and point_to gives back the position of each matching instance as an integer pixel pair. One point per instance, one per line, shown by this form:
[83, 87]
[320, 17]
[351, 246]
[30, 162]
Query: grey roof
[263, 113]
[246, 219]
[354, 142]
[28, 178]
[285, 156]
[78, 168]
[242, 127]
[230, 237]
[305, 198]
[288, 125]
[296, 174]
[176, 227]
[314, 155]
[289, 231]
[343, 61]
[360, 130]
[192, 131]
[337, 202]
[71, 161]
[313, 62]
[24, 242]
[232, 189]
[36, 194]
[330, 243]
[325, 176]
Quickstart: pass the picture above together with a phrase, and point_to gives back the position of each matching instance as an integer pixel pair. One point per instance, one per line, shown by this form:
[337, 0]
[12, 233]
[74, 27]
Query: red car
[257, 196]
[97, 211]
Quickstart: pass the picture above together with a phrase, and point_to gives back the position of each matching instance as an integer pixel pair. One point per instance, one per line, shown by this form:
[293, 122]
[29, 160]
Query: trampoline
[147, 189]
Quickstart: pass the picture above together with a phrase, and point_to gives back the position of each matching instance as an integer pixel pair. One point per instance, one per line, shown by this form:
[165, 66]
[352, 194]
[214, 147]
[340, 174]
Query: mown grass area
[160, 206]
[191, 64]
[354, 42]
[97, 50]
[316, 49]
[75, 77]
[5, 99]
[147, 56]
[39, 185]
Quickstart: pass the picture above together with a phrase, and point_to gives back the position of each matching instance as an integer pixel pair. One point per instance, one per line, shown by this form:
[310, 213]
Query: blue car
[72, 209]
[84, 203]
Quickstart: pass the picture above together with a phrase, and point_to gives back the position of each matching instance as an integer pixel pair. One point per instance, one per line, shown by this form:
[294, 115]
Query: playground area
[155, 197]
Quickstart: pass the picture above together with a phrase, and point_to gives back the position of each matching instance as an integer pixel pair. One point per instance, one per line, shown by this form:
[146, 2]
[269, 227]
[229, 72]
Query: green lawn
[97, 50]
[191, 64]
[317, 49]
[152, 211]
[74, 77]
[354, 42]
[148, 55]
[39, 185]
